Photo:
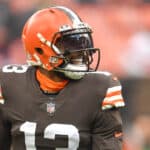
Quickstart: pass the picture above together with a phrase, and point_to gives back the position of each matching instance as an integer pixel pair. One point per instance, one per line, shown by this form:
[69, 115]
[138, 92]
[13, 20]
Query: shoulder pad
[105, 73]
[113, 91]
[6, 73]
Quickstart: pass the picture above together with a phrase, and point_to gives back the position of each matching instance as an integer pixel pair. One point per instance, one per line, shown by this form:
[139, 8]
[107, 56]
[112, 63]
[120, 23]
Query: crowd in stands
[121, 29]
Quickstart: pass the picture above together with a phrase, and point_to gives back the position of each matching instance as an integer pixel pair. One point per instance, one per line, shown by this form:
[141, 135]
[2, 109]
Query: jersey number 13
[29, 129]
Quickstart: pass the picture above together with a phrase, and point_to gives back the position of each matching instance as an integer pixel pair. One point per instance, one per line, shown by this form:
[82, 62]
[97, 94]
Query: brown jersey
[82, 116]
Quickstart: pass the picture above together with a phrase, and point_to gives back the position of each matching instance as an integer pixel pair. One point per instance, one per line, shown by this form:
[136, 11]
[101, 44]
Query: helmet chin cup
[72, 71]
[74, 75]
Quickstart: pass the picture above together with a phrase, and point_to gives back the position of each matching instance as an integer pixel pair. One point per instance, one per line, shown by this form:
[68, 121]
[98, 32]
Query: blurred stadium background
[122, 32]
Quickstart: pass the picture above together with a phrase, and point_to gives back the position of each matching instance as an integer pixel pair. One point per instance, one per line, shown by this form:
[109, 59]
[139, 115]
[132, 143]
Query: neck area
[50, 81]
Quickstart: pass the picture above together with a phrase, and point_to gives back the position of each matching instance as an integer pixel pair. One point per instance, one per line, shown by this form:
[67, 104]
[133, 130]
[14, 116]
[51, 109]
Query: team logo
[51, 108]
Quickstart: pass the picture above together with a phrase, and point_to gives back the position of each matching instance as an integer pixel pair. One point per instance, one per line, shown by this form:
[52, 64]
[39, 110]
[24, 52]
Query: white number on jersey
[15, 68]
[29, 129]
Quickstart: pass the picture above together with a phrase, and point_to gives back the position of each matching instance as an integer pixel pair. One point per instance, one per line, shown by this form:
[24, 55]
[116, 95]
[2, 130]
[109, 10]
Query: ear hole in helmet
[39, 50]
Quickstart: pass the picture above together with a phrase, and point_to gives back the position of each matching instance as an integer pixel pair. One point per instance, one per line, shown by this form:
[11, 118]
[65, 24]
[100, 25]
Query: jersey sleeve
[107, 131]
[113, 97]
[5, 135]
[107, 126]
[5, 138]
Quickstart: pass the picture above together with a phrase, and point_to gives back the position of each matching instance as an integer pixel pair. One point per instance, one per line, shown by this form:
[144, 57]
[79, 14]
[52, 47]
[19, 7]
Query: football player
[58, 101]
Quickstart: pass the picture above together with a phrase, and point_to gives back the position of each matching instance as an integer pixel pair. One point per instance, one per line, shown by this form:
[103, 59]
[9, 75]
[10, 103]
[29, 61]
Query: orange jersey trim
[113, 98]
[113, 93]
[113, 102]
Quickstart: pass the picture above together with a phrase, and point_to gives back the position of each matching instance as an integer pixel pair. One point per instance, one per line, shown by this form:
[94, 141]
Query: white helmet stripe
[73, 16]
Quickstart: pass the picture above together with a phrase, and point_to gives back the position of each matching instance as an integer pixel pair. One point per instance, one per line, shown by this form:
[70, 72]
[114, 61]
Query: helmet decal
[48, 43]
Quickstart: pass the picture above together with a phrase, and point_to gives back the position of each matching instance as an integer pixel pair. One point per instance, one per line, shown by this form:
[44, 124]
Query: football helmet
[57, 39]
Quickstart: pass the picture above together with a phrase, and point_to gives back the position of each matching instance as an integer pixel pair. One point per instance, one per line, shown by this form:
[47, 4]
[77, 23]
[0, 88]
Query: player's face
[75, 47]
[78, 58]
